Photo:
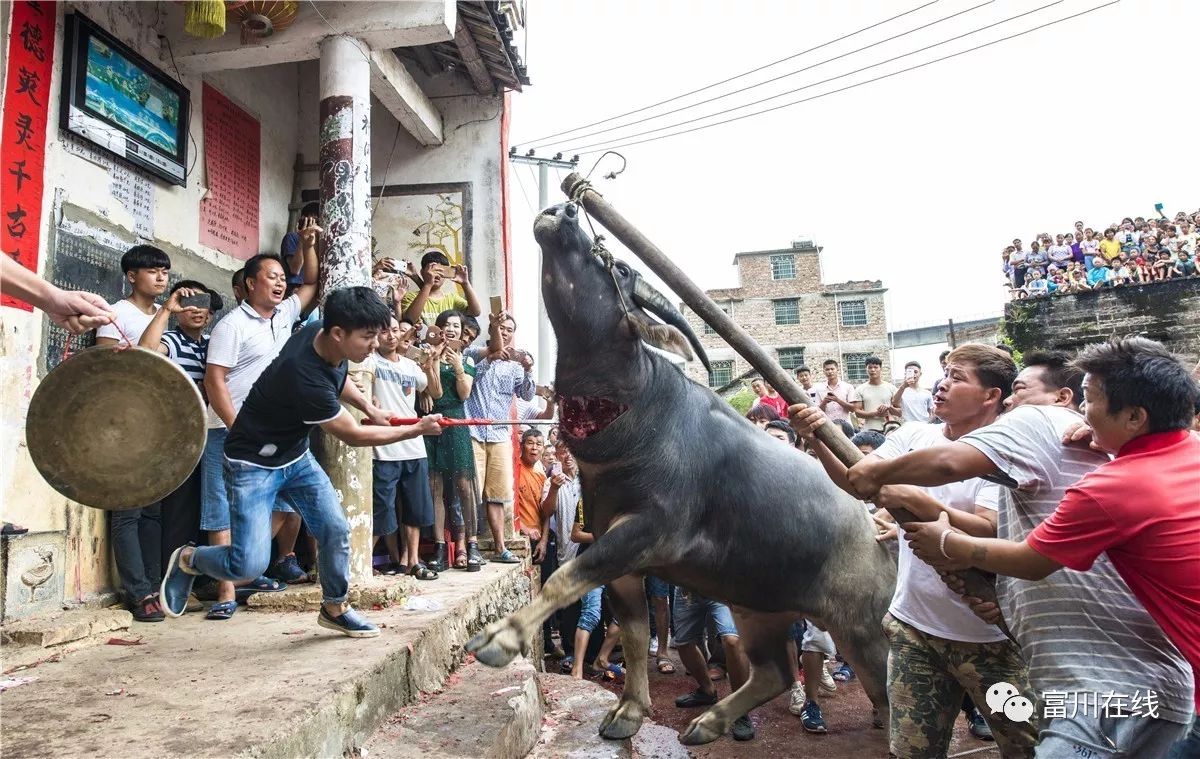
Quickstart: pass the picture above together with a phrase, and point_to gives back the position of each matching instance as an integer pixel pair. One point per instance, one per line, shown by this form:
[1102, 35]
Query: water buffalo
[678, 485]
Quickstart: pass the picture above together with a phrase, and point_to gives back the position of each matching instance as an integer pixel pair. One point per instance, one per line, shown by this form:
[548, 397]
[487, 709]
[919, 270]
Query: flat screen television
[116, 99]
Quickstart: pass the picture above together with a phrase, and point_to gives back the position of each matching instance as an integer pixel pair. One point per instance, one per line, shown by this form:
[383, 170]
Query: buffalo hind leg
[627, 595]
[618, 552]
[866, 650]
[764, 639]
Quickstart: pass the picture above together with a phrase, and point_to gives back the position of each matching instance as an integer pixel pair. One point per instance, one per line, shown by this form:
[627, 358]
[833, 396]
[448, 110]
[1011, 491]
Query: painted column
[345, 172]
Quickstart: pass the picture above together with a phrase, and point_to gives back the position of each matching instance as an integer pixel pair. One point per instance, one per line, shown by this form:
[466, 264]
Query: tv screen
[116, 99]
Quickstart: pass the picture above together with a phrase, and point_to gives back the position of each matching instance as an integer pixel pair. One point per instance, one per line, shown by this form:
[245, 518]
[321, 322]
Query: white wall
[268, 93]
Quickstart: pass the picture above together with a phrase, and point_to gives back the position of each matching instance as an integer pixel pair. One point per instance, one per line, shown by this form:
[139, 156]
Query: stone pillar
[345, 173]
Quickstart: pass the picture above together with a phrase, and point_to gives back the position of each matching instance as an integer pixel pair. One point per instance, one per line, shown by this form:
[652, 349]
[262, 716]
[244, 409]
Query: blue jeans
[691, 612]
[589, 615]
[252, 494]
[214, 499]
[1189, 746]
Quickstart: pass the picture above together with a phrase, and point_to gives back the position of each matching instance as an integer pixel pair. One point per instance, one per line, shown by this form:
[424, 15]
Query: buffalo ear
[662, 336]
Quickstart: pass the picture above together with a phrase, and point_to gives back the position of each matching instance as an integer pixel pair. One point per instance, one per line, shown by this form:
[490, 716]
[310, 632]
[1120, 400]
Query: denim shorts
[657, 588]
[409, 479]
[690, 613]
[214, 501]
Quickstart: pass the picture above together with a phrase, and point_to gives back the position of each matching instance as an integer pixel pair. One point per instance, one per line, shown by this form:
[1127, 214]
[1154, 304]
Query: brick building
[783, 304]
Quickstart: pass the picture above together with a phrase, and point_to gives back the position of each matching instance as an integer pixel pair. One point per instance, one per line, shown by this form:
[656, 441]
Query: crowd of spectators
[1133, 251]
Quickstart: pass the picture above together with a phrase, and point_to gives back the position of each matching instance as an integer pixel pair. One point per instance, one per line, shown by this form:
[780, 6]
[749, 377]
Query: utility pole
[545, 348]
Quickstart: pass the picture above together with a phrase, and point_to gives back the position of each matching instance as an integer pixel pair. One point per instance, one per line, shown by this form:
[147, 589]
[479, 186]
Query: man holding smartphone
[836, 398]
[915, 403]
[438, 293]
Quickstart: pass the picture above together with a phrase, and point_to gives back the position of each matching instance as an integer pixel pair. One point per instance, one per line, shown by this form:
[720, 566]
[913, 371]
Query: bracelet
[942, 543]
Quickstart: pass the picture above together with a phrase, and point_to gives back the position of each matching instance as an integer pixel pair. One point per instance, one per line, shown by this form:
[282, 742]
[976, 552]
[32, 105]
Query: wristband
[942, 542]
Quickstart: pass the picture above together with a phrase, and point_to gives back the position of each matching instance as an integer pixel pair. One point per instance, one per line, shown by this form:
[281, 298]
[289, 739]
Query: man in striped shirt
[1083, 634]
[187, 346]
[498, 379]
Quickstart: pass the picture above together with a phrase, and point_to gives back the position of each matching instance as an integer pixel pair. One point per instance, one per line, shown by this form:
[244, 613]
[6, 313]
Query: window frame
[775, 305]
[857, 361]
[779, 357]
[842, 313]
[780, 257]
[720, 366]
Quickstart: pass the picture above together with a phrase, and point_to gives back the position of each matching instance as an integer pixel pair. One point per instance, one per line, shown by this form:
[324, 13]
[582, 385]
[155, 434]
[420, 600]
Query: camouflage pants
[927, 676]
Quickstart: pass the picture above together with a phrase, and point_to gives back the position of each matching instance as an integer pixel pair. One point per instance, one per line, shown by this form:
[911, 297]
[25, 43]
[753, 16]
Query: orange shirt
[530, 481]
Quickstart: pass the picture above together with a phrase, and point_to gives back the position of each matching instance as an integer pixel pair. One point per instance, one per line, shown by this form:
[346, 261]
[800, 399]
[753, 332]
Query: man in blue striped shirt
[498, 379]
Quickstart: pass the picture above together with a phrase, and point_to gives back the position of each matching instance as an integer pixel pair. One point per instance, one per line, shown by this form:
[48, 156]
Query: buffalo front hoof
[701, 731]
[497, 645]
[622, 721]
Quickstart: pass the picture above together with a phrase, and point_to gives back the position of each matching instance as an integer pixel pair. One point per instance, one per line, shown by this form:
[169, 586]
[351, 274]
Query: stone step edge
[353, 710]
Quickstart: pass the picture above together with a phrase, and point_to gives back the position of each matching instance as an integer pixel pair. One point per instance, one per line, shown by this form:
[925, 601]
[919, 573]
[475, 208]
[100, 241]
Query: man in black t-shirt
[267, 454]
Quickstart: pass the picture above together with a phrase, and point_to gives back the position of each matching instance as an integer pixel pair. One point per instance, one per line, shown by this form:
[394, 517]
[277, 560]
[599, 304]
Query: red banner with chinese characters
[26, 105]
[229, 213]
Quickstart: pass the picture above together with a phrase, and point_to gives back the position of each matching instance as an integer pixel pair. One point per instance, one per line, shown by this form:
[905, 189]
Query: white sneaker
[796, 704]
[654, 646]
[828, 684]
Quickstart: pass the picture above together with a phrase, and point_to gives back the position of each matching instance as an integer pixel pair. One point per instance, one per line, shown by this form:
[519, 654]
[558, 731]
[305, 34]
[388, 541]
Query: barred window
[783, 266]
[721, 373]
[855, 366]
[853, 313]
[791, 358]
[787, 311]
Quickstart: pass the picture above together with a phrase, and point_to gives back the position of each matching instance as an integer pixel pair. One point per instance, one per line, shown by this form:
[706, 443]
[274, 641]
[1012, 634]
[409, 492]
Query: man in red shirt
[768, 397]
[1142, 508]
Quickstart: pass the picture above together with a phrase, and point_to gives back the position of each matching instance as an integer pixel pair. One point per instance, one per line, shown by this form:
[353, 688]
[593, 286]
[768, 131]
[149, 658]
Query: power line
[777, 78]
[730, 79]
[856, 84]
[529, 203]
[588, 148]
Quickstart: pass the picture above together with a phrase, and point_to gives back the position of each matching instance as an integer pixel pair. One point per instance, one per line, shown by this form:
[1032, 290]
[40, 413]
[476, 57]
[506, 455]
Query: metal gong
[116, 429]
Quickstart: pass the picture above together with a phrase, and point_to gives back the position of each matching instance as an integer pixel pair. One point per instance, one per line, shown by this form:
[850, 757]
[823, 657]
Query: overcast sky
[918, 179]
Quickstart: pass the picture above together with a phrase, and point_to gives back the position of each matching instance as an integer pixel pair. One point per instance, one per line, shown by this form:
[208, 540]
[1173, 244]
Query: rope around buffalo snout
[598, 248]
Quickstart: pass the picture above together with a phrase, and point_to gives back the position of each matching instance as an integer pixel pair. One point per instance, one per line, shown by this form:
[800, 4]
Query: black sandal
[422, 572]
[474, 560]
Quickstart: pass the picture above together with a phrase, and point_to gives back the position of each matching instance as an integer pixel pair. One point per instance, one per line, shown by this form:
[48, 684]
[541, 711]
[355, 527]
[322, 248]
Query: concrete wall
[471, 154]
[77, 191]
[1165, 311]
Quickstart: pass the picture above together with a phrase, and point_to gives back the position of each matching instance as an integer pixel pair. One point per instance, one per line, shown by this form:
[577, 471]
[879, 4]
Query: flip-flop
[222, 610]
[610, 672]
[665, 666]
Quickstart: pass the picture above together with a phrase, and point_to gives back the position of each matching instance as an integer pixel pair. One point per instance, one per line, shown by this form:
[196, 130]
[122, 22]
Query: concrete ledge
[484, 712]
[307, 597]
[65, 627]
[263, 685]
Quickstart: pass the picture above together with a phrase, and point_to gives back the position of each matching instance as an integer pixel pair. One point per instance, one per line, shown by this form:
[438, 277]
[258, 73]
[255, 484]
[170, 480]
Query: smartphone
[497, 304]
[1158, 207]
[199, 300]
[555, 470]
[456, 345]
[910, 373]
[416, 354]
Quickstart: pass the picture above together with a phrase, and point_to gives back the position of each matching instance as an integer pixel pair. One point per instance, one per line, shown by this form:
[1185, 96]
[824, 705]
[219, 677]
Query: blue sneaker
[176, 584]
[348, 623]
[811, 718]
[288, 570]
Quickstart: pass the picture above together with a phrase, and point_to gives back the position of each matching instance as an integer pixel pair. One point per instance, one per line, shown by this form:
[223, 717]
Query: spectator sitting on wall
[915, 402]
[187, 347]
[437, 293]
[1098, 276]
[1184, 266]
[1060, 252]
[1109, 247]
[1037, 260]
[767, 396]
[875, 395]
[136, 534]
[836, 398]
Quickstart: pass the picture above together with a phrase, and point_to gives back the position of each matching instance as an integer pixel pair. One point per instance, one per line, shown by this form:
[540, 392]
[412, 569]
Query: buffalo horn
[652, 300]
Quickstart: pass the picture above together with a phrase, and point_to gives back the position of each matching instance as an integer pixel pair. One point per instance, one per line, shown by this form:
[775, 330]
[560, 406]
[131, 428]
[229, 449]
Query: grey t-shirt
[1080, 632]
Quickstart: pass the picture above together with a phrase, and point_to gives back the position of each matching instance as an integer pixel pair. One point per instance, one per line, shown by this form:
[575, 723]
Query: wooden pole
[580, 191]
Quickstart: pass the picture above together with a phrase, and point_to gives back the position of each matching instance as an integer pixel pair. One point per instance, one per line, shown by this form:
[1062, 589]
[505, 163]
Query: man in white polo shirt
[243, 344]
